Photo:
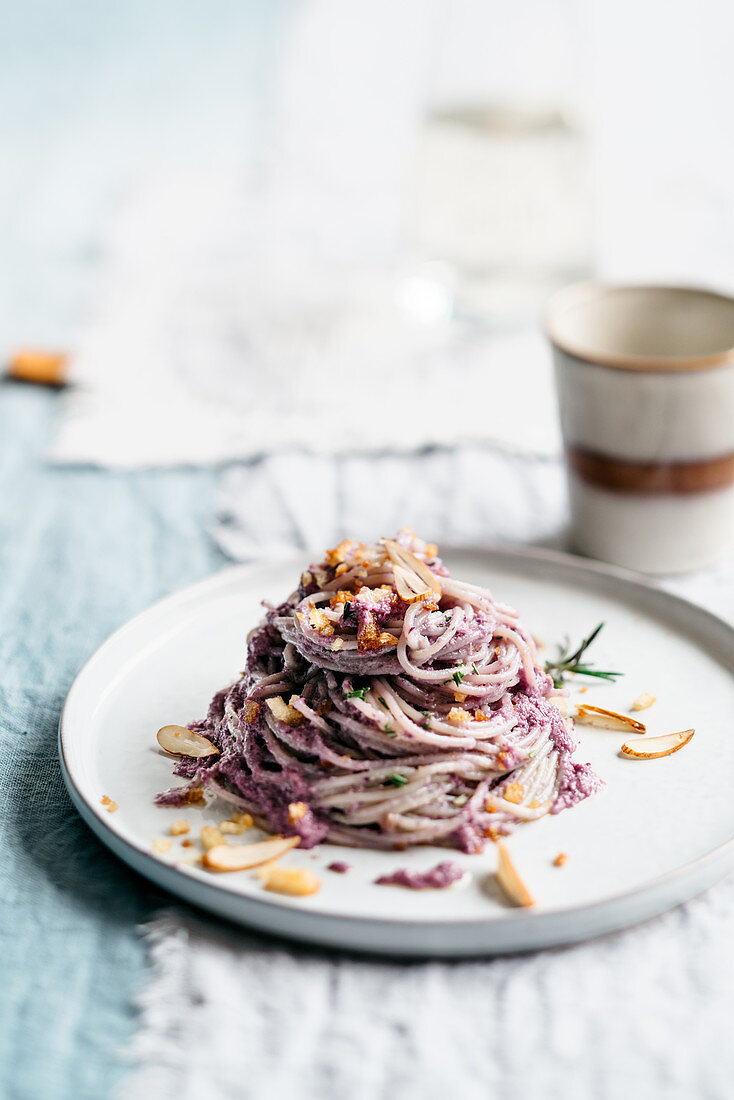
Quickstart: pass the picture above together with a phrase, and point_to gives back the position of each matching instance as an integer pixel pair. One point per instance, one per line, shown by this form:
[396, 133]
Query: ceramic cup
[645, 382]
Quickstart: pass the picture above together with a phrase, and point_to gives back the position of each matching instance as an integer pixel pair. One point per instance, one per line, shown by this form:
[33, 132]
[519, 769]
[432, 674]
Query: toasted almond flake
[509, 879]
[239, 857]
[608, 719]
[231, 828]
[162, 844]
[180, 741]
[386, 639]
[560, 859]
[409, 585]
[283, 711]
[514, 792]
[457, 715]
[296, 810]
[460, 696]
[244, 819]
[108, 804]
[642, 702]
[337, 644]
[211, 837]
[179, 827]
[413, 579]
[653, 747]
[342, 568]
[306, 578]
[296, 881]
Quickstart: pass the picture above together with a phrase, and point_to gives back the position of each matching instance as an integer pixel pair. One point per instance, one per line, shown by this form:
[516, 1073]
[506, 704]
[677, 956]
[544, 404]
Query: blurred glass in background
[503, 200]
[502, 205]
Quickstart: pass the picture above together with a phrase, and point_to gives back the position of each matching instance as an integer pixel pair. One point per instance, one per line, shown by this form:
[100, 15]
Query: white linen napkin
[207, 346]
[644, 1013]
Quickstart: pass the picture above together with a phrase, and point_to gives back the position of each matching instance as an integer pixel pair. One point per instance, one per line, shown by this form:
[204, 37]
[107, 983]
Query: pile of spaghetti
[386, 704]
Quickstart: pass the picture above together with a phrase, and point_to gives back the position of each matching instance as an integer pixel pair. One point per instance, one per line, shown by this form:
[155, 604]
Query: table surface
[80, 551]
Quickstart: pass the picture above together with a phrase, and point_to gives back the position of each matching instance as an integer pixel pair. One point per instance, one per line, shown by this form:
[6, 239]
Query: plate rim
[142, 861]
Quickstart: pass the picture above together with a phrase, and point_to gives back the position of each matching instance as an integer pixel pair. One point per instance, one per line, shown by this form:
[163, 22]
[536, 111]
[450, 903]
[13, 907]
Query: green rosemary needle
[572, 664]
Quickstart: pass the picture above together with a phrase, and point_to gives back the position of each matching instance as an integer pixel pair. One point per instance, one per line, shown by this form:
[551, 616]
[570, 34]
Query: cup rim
[587, 289]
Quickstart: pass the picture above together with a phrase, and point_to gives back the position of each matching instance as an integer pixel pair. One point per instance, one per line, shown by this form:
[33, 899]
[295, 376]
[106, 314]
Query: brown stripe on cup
[651, 478]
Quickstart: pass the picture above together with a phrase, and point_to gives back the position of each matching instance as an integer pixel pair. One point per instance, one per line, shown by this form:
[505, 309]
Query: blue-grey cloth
[98, 97]
[80, 551]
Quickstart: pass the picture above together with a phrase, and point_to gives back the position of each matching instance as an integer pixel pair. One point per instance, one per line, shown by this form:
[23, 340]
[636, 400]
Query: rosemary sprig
[571, 663]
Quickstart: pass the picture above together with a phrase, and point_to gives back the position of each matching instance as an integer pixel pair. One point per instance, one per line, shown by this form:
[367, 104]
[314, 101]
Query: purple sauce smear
[438, 878]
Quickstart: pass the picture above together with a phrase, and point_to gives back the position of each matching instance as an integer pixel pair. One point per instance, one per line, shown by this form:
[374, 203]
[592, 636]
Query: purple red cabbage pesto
[372, 716]
[437, 878]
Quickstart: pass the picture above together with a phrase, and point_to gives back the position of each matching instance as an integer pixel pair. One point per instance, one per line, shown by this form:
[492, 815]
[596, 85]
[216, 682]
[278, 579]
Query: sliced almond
[642, 702]
[509, 879]
[409, 586]
[244, 819]
[179, 827]
[161, 845]
[211, 837]
[653, 747]
[296, 881]
[182, 742]
[283, 711]
[238, 857]
[413, 579]
[608, 719]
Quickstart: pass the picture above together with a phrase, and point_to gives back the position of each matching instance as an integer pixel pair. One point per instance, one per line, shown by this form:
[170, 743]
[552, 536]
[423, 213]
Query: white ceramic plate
[662, 831]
